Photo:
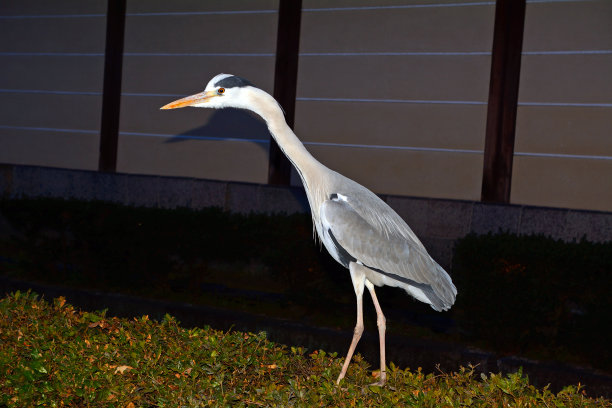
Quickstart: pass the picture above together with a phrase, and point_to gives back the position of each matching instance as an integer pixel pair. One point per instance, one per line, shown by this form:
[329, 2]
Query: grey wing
[398, 260]
[376, 212]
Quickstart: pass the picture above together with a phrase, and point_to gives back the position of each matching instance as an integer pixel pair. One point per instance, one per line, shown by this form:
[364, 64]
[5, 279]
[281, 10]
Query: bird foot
[382, 378]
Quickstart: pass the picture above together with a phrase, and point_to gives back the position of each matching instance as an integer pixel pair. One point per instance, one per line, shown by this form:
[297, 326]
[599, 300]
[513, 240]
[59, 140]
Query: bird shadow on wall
[229, 124]
[236, 125]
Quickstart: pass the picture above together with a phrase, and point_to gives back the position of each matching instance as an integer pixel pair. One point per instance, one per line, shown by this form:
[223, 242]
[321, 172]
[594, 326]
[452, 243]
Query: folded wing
[401, 260]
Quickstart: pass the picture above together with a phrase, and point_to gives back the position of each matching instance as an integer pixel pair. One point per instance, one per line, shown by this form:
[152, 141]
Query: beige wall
[392, 93]
[51, 73]
[564, 126]
[420, 105]
[173, 49]
[428, 149]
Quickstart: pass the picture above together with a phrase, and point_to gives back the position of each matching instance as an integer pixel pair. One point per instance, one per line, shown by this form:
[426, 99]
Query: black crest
[233, 82]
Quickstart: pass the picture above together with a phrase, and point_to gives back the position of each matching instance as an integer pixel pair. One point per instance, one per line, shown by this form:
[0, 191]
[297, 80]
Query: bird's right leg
[358, 279]
[381, 323]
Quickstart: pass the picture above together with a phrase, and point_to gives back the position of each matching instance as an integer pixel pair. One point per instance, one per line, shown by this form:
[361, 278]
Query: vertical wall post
[285, 81]
[503, 100]
[111, 98]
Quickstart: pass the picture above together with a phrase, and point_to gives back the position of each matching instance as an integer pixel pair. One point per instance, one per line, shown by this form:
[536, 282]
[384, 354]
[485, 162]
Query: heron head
[223, 91]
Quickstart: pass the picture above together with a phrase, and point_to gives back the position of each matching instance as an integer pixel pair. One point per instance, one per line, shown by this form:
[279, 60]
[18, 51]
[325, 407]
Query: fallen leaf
[272, 366]
[122, 369]
[61, 301]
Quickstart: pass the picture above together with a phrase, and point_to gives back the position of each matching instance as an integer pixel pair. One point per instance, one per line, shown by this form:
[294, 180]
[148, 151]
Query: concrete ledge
[439, 223]
[492, 218]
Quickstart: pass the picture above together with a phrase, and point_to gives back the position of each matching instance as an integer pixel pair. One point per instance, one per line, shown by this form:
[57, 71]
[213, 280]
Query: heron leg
[358, 279]
[381, 322]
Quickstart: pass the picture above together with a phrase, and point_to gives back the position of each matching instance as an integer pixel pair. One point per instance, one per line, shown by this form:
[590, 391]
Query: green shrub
[534, 294]
[54, 355]
[531, 296]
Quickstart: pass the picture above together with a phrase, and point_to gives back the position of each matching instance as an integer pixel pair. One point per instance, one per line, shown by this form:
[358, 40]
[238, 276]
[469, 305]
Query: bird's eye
[221, 91]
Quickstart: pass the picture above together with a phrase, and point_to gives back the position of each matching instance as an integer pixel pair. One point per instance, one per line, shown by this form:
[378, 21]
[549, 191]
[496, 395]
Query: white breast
[326, 226]
[326, 239]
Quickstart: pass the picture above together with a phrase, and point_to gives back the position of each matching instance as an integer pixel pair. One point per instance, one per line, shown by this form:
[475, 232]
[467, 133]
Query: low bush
[54, 355]
[525, 295]
[537, 296]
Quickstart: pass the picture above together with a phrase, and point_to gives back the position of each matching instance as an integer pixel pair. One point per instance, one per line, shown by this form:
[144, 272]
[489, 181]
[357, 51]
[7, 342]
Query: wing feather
[401, 257]
[376, 212]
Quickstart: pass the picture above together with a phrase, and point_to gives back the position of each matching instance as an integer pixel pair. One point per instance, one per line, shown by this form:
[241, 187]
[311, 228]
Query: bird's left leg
[381, 323]
[358, 278]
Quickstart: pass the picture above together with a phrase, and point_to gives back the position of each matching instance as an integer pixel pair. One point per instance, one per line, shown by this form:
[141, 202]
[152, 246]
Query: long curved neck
[314, 175]
[267, 107]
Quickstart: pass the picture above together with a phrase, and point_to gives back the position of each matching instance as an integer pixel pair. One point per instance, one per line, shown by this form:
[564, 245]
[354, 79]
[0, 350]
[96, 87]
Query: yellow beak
[190, 100]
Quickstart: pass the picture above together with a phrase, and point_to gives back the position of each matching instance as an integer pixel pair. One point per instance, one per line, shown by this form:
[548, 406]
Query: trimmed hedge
[534, 295]
[525, 295]
[54, 355]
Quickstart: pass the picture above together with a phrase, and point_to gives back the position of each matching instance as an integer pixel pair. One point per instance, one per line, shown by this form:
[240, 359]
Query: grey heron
[357, 228]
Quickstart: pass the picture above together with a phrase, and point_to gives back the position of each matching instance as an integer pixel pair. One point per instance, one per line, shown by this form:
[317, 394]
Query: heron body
[358, 229]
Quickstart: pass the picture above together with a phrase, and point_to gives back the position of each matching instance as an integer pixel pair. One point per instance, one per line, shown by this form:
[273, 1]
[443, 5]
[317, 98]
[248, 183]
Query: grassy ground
[528, 296]
[53, 355]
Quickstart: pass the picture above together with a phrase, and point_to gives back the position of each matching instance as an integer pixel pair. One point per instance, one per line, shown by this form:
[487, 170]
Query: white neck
[315, 176]
[267, 107]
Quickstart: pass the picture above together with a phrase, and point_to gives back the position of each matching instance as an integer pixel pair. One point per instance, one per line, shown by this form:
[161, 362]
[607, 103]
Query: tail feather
[443, 290]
